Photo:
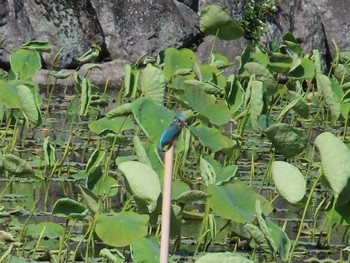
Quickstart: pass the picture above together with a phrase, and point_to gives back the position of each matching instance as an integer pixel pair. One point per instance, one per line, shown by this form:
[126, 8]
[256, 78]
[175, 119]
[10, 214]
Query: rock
[124, 29]
[133, 28]
[69, 24]
[336, 22]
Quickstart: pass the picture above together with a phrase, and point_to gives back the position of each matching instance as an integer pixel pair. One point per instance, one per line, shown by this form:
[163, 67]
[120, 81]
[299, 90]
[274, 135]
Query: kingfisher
[171, 133]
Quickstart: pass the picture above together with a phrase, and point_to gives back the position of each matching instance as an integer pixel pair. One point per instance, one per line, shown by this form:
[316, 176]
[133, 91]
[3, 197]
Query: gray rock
[70, 24]
[336, 22]
[124, 29]
[135, 28]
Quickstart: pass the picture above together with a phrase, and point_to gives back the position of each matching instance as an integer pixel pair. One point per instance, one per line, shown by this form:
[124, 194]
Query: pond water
[19, 195]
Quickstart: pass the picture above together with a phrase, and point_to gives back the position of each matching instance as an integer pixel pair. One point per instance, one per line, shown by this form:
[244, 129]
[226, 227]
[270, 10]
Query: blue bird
[171, 133]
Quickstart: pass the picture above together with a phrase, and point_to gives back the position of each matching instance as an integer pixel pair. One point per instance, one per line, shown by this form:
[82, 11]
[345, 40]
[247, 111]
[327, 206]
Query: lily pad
[289, 181]
[121, 229]
[235, 201]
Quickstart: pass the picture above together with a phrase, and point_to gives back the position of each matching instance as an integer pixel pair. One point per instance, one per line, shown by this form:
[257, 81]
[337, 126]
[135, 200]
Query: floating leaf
[235, 201]
[215, 110]
[69, 209]
[143, 182]
[289, 181]
[52, 230]
[211, 138]
[152, 81]
[146, 250]
[335, 160]
[121, 229]
[215, 21]
[287, 140]
[227, 257]
[25, 63]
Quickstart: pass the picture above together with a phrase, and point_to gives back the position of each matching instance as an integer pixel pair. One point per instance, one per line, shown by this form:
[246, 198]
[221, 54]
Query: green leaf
[25, 63]
[280, 63]
[300, 107]
[204, 86]
[115, 125]
[292, 43]
[153, 119]
[280, 238]
[52, 230]
[289, 181]
[17, 166]
[121, 110]
[211, 138]
[121, 229]
[178, 188]
[40, 46]
[152, 81]
[256, 102]
[305, 70]
[335, 160]
[331, 99]
[191, 196]
[9, 95]
[214, 20]
[146, 250]
[175, 60]
[286, 139]
[143, 182]
[85, 96]
[235, 95]
[215, 110]
[131, 80]
[208, 172]
[49, 152]
[91, 200]
[263, 75]
[235, 201]
[95, 160]
[224, 257]
[69, 209]
[29, 104]
[107, 187]
[154, 158]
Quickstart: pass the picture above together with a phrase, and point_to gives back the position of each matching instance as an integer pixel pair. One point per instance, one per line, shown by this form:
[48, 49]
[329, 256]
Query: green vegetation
[263, 148]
